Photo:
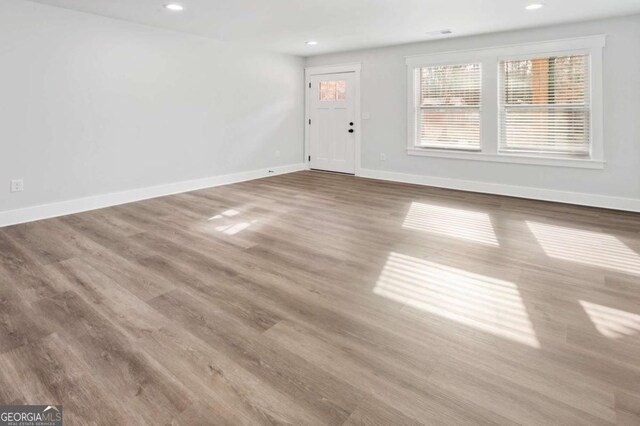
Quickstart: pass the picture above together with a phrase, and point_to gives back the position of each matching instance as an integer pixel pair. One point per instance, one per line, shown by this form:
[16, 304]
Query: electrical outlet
[17, 185]
[383, 157]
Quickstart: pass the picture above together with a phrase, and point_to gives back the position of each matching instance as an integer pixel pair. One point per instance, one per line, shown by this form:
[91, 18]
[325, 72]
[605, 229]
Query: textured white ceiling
[285, 25]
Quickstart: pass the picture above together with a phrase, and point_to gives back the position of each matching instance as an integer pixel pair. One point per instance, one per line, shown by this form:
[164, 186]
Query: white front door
[332, 128]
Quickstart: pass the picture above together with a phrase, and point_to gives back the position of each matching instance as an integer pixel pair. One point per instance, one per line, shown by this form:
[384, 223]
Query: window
[536, 103]
[332, 90]
[449, 107]
[544, 105]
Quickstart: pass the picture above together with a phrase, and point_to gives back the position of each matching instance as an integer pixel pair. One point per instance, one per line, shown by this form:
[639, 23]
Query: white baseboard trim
[62, 208]
[579, 198]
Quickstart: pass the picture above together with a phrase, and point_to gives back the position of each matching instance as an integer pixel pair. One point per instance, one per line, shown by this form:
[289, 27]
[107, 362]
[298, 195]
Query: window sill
[508, 158]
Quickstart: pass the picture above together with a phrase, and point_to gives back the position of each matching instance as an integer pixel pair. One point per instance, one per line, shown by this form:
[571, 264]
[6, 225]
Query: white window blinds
[448, 110]
[545, 105]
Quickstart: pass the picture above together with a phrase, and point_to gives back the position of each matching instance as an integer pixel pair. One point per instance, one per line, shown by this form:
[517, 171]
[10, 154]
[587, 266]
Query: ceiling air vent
[439, 33]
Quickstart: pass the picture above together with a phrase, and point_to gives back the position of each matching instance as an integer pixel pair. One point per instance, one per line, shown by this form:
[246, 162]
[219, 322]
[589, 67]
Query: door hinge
[309, 121]
[309, 158]
[309, 85]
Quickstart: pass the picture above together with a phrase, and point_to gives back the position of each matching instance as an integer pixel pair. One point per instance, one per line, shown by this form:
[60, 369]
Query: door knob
[350, 130]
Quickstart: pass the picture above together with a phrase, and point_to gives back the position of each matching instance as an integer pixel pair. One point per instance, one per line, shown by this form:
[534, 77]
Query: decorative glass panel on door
[334, 90]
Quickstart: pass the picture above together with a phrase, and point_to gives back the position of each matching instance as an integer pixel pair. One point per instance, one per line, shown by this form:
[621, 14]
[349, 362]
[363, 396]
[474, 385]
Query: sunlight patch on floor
[586, 247]
[227, 225]
[457, 223]
[233, 229]
[611, 322]
[477, 301]
[226, 213]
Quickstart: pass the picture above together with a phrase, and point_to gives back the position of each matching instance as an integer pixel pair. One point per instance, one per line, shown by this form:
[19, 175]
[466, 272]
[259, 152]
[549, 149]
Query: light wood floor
[313, 298]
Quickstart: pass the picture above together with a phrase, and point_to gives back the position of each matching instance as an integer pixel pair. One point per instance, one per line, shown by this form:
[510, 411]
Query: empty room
[319, 212]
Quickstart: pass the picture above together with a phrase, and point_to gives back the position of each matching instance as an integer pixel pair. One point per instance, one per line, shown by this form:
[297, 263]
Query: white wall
[91, 105]
[384, 96]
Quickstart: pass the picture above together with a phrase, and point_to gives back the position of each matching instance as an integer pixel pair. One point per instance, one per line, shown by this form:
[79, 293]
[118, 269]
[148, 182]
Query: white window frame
[489, 105]
[419, 108]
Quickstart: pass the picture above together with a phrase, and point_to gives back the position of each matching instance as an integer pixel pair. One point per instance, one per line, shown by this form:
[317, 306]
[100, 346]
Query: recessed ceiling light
[174, 7]
[534, 6]
[311, 43]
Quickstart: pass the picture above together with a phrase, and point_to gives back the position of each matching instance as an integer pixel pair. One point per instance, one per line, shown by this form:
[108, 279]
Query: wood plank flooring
[313, 298]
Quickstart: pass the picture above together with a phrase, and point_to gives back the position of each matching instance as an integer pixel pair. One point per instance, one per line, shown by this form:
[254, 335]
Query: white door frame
[332, 69]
